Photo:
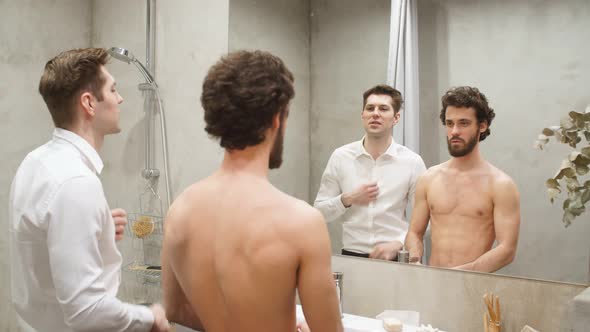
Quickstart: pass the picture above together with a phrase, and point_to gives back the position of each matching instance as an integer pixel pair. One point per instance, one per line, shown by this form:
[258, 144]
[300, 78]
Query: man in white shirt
[65, 263]
[369, 183]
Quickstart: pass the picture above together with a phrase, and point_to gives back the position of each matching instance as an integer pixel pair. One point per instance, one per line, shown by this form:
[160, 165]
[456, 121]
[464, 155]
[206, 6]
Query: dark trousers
[359, 254]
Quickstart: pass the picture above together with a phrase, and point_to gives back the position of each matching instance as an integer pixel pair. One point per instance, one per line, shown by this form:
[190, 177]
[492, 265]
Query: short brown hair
[382, 89]
[66, 76]
[242, 93]
[467, 96]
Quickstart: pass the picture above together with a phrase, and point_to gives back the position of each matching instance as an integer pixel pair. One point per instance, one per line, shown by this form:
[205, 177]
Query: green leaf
[577, 211]
[585, 196]
[566, 123]
[553, 193]
[565, 170]
[586, 150]
[573, 155]
[582, 169]
[567, 218]
[576, 115]
[566, 204]
[552, 184]
[571, 184]
[578, 159]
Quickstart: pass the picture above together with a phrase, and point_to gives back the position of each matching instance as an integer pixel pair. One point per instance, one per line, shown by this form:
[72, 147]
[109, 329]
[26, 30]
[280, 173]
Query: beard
[276, 154]
[465, 149]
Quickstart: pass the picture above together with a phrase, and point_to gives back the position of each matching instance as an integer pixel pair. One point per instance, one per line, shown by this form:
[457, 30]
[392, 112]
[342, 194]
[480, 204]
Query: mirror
[528, 58]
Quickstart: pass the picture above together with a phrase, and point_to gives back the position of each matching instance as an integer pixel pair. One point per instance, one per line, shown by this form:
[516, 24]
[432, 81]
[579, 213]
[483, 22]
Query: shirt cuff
[339, 205]
[145, 317]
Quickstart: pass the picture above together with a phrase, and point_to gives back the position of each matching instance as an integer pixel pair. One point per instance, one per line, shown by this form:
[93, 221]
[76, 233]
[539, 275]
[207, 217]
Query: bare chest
[464, 195]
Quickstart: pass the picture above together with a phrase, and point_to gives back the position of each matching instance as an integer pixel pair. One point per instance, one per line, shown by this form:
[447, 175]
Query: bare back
[232, 246]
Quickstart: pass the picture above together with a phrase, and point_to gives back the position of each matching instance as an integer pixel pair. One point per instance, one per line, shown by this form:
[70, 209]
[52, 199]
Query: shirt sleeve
[419, 169]
[76, 216]
[329, 198]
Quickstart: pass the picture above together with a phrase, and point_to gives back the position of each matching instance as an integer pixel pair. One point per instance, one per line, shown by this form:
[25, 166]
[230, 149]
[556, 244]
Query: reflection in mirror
[527, 58]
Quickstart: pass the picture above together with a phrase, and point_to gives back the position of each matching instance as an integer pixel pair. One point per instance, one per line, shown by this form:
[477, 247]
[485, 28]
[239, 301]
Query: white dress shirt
[383, 220]
[65, 263]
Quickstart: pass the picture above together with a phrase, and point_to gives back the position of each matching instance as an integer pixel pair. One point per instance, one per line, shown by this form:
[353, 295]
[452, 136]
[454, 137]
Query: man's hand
[160, 321]
[386, 251]
[363, 195]
[120, 218]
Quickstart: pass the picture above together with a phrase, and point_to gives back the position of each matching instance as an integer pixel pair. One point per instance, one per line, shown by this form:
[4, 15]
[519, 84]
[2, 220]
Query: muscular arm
[178, 309]
[420, 217]
[315, 282]
[506, 224]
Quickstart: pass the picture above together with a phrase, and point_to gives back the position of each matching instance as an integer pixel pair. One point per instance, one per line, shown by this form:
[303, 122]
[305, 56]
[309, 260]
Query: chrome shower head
[125, 55]
[121, 54]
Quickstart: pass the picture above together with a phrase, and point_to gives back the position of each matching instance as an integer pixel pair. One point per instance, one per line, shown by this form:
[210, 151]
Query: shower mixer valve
[150, 173]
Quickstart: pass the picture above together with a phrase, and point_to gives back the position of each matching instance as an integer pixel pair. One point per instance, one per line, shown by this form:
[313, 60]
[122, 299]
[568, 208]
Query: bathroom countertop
[353, 323]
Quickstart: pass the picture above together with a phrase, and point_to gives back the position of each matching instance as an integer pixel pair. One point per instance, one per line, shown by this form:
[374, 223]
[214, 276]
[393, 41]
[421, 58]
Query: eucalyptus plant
[574, 130]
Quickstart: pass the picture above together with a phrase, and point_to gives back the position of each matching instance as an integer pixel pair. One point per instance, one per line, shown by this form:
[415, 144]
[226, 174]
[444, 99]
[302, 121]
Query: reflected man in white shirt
[65, 263]
[368, 184]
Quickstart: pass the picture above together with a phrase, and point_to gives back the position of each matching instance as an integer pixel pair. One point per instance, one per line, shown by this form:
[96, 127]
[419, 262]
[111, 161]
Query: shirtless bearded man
[236, 248]
[469, 202]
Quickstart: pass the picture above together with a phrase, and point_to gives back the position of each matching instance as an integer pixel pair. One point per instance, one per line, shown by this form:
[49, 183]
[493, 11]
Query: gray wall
[349, 46]
[191, 36]
[26, 45]
[530, 59]
[282, 28]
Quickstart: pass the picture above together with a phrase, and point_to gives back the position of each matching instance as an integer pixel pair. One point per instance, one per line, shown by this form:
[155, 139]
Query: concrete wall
[453, 300]
[282, 28]
[25, 46]
[529, 58]
[190, 37]
[349, 46]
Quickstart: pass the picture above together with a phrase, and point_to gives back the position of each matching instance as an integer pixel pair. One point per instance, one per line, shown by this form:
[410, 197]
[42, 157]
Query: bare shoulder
[298, 213]
[502, 183]
[433, 172]
[181, 210]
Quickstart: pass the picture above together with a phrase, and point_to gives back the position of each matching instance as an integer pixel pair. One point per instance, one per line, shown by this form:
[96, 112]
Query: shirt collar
[360, 148]
[83, 146]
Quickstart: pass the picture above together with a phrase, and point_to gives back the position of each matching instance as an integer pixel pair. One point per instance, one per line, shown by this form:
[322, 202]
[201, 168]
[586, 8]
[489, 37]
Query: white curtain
[402, 70]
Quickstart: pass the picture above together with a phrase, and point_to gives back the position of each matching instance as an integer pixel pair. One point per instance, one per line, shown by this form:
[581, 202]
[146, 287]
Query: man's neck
[377, 145]
[253, 160]
[87, 133]
[469, 161]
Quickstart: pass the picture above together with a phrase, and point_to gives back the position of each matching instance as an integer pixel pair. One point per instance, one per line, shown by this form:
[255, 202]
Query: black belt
[359, 254]
[354, 253]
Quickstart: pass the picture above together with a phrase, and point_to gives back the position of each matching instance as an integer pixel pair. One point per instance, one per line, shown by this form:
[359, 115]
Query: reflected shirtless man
[469, 202]
[236, 248]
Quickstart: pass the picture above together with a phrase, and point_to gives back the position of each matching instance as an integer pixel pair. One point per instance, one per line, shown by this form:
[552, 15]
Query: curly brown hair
[242, 93]
[382, 89]
[466, 96]
[68, 75]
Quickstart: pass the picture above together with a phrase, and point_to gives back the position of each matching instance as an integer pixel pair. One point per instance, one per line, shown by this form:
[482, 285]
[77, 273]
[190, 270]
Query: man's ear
[396, 116]
[276, 120]
[87, 102]
[483, 126]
